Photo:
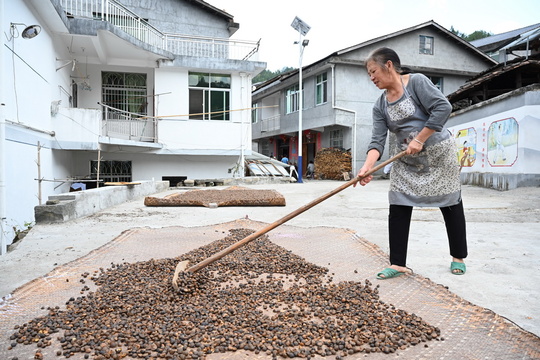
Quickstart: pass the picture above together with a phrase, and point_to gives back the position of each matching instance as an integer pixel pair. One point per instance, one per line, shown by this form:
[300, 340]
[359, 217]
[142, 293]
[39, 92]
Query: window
[336, 139]
[426, 45]
[74, 98]
[111, 171]
[265, 148]
[209, 96]
[322, 89]
[437, 81]
[293, 98]
[255, 113]
[125, 91]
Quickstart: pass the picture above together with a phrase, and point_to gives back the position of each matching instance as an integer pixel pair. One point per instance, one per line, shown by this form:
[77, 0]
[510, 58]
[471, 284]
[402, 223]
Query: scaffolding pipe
[3, 224]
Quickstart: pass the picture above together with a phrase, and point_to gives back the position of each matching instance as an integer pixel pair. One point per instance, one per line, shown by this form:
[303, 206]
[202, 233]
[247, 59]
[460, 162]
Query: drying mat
[467, 331]
[231, 196]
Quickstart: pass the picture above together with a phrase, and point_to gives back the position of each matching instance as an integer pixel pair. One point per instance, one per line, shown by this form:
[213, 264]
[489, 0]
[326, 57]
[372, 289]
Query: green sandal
[458, 268]
[388, 273]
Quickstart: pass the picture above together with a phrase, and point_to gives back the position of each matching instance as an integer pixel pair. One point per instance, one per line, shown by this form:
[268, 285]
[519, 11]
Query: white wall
[30, 83]
[22, 188]
[154, 166]
[177, 132]
[522, 156]
[502, 135]
[77, 129]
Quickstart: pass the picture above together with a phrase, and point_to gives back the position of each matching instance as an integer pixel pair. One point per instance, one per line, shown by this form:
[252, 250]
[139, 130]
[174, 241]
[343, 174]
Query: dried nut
[260, 298]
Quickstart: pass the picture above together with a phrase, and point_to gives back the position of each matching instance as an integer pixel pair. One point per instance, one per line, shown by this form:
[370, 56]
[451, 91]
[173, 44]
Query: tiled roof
[504, 37]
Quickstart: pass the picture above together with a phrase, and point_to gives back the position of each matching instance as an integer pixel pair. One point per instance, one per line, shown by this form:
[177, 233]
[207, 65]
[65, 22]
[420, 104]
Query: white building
[153, 90]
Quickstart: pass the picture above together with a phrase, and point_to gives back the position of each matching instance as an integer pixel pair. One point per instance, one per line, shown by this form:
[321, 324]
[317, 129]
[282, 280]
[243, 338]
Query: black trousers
[399, 223]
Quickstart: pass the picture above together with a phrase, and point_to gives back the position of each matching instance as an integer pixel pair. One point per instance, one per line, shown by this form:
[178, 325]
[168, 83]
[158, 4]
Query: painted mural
[502, 142]
[466, 144]
[495, 144]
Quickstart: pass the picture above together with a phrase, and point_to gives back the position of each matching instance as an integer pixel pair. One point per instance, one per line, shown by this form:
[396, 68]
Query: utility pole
[302, 29]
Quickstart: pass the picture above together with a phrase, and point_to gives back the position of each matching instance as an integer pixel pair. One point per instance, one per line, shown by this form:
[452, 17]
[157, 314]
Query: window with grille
[125, 91]
[209, 96]
[336, 139]
[426, 45]
[322, 89]
[111, 170]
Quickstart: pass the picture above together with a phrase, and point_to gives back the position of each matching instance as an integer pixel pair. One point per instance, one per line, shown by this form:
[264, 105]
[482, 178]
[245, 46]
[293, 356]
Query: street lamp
[302, 29]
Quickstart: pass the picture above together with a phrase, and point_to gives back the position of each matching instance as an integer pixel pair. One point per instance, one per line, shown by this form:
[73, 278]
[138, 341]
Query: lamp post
[302, 29]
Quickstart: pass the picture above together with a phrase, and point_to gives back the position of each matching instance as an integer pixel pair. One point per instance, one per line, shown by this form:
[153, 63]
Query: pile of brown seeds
[261, 298]
[231, 196]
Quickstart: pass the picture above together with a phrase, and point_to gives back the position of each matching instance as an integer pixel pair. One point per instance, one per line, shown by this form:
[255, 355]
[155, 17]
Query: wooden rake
[184, 264]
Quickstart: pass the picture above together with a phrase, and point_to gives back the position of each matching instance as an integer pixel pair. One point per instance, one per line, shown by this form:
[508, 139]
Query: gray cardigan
[428, 97]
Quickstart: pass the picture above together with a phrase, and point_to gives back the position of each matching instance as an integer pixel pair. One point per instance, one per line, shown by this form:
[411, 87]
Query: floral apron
[429, 178]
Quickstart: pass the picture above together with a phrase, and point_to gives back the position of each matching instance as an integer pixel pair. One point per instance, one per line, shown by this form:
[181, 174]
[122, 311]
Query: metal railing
[210, 47]
[270, 124]
[123, 18]
[126, 125]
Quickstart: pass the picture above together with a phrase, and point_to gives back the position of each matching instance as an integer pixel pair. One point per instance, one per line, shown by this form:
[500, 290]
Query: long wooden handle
[288, 217]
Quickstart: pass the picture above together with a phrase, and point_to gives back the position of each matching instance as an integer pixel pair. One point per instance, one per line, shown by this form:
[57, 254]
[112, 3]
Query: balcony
[121, 124]
[266, 127]
[270, 124]
[132, 24]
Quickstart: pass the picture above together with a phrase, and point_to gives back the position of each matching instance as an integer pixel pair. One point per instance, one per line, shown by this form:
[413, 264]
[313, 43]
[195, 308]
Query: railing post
[155, 134]
[139, 31]
[106, 122]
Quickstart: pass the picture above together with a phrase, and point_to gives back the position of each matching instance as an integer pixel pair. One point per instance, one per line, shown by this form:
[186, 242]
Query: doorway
[309, 151]
[282, 148]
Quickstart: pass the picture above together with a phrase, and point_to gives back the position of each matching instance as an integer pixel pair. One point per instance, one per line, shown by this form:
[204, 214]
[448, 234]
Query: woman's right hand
[371, 158]
[364, 180]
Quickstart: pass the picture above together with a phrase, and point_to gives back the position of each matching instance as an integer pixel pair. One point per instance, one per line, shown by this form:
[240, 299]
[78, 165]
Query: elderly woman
[415, 113]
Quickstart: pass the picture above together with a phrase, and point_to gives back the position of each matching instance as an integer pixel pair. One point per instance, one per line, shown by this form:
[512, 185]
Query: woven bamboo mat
[467, 331]
[231, 196]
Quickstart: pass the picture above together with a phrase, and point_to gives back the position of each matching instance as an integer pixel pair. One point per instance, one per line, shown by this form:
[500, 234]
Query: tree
[457, 33]
[266, 75]
[478, 34]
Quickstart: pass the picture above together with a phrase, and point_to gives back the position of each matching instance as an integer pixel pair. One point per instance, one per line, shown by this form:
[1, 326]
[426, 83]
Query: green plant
[20, 233]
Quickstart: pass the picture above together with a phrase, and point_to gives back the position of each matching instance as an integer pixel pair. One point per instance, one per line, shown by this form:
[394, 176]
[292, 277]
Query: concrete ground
[503, 267]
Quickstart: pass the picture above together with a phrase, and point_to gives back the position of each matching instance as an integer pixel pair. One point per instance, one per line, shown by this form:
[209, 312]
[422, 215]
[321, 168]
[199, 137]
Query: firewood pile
[333, 164]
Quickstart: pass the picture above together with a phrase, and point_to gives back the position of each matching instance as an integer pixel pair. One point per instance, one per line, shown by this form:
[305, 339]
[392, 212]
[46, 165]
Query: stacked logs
[260, 298]
[333, 164]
